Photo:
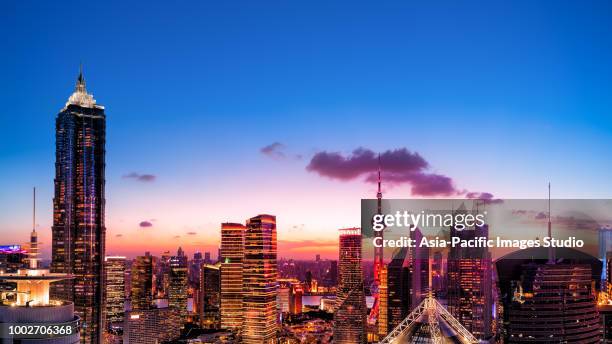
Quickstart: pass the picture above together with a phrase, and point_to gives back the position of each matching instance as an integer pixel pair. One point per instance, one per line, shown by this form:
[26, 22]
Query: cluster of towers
[248, 279]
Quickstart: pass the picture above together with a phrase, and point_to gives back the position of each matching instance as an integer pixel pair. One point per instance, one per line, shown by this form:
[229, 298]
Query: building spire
[33, 252]
[80, 85]
[379, 193]
[551, 250]
[34, 210]
[80, 96]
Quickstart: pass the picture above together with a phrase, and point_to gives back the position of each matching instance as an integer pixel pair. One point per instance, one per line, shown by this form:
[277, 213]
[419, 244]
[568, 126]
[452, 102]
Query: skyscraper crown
[80, 96]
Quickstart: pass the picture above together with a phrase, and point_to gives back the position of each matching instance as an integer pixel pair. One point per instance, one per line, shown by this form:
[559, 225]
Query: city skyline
[169, 118]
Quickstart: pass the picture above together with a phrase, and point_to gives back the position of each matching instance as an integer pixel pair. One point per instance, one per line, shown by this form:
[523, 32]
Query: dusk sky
[221, 110]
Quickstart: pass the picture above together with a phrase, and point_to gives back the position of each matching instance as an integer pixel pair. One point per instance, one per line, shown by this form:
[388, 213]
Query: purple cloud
[399, 166]
[274, 150]
[145, 224]
[361, 161]
[487, 197]
[192, 233]
[118, 235]
[140, 177]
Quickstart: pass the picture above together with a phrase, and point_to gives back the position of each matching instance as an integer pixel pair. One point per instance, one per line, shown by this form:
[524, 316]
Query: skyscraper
[470, 289]
[398, 288]
[210, 296]
[350, 315]
[231, 257]
[554, 303]
[260, 281]
[419, 270]
[78, 232]
[114, 268]
[142, 282]
[177, 292]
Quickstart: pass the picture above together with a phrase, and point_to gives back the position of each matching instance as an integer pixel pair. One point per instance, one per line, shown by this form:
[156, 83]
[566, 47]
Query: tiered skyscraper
[232, 254]
[260, 281]
[78, 231]
[350, 315]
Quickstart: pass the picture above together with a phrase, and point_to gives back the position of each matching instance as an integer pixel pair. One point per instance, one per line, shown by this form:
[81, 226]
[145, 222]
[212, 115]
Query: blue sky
[500, 96]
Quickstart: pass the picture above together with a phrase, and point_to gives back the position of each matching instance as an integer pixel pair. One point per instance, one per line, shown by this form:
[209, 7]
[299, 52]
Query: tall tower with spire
[78, 232]
[373, 318]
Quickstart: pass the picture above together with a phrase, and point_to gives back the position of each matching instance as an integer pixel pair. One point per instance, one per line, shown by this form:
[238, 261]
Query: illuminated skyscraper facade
[260, 325]
[142, 282]
[177, 291]
[383, 296]
[350, 315]
[419, 270]
[231, 257]
[114, 268]
[78, 231]
[470, 285]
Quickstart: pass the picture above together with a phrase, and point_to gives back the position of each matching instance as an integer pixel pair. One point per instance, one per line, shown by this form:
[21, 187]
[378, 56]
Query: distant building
[210, 296]
[177, 291]
[231, 257]
[289, 296]
[78, 231]
[350, 315]
[142, 282]
[114, 268]
[154, 325]
[12, 258]
[260, 325]
[161, 271]
[332, 275]
[605, 312]
[295, 299]
[605, 246]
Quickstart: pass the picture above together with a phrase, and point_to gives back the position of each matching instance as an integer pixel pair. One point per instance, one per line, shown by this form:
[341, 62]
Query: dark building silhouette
[78, 232]
[398, 286]
[548, 302]
[210, 296]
